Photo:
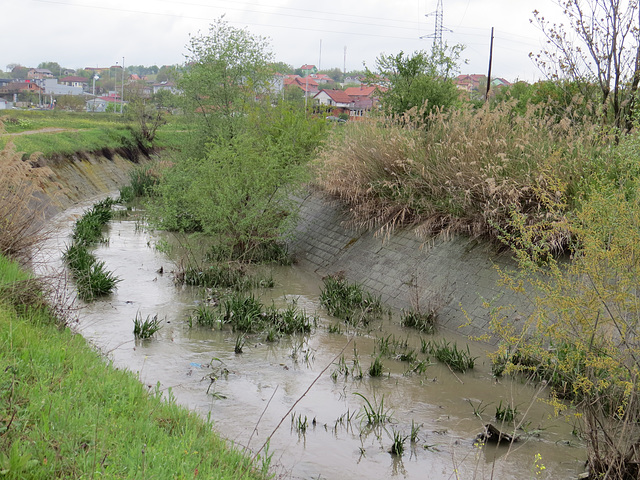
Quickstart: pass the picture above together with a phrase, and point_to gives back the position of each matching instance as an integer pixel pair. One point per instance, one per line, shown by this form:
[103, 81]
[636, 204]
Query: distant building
[73, 81]
[308, 70]
[52, 87]
[39, 74]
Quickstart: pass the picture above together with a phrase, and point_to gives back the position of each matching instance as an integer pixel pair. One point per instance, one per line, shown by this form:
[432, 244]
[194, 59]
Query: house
[337, 101]
[363, 91]
[73, 81]
[500, 82]
[355, 80]
[39, 74]
[52, 87]
[4, 104]
[471, 83]
[20, 87]
[308, 70]
[322, 78]
[100, 104]
[307, 84]
[168, 86]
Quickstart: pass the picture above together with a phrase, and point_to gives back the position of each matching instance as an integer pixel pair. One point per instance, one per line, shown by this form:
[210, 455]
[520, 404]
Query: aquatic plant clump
[445, 352]
[349, 301]
[245, 313]
[146, 328]
[222, 275]
[92, 279]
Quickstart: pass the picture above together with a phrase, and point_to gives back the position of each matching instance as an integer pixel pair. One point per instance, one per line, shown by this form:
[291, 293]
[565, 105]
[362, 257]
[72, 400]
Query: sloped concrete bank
[64, 181]
[458, 274]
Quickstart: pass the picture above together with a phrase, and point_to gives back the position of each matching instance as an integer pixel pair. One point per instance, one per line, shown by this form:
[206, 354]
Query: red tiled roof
[361, 91]
[338, 96]
[307, 67]
[74, 79]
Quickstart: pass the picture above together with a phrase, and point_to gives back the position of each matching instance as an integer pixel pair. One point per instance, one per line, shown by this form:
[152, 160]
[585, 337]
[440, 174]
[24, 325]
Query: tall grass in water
[462, 171]
[349, 301]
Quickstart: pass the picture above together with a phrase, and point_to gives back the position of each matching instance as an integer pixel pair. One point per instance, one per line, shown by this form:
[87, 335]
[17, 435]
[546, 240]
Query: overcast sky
[81, 33]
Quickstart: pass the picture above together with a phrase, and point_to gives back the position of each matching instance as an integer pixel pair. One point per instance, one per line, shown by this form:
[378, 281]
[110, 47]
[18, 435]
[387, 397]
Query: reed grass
[146, 328]
[463, 171]
[445, 352]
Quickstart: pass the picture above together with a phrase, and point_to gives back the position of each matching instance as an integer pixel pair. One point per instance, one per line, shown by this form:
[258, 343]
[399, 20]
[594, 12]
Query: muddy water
[254, 391]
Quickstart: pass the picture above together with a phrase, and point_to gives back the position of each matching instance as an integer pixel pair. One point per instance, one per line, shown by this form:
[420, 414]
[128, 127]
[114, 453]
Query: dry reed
[21, 210]
[463, 171]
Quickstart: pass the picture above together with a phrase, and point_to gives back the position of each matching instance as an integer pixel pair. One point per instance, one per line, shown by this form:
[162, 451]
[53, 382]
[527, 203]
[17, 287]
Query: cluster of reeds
[462, 171]
[146, 328]
[245, 313]
[233, 275]
[349, 301]
[445, 352]
[143, 180]
[92, 278]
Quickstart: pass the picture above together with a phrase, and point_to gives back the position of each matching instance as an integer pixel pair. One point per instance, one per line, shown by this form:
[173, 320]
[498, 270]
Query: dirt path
[42, 130]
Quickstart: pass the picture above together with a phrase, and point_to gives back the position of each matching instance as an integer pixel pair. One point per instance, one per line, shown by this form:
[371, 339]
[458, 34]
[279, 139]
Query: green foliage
[349, 301]
[373, 413]
[145, 328]
[67, 413]
[225, 69]
[246, 314]
[418, 79]
[376, 369]
[425, 322]
[445, 352]
[397, 447]
[582, 333]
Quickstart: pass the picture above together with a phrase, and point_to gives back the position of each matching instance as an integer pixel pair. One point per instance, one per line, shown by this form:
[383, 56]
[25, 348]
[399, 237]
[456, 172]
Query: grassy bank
[76, 132]
[66, 413]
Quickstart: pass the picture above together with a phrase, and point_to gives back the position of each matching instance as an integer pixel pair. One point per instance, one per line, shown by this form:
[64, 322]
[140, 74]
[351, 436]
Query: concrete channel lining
[459, 273]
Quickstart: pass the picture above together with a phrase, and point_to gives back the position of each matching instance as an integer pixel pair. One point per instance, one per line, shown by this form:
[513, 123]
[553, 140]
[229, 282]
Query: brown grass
[21, 219]
[464, 171]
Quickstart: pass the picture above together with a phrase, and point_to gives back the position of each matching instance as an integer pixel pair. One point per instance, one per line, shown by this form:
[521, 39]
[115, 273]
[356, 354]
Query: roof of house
[338, 96]
[74, 79]
[307, 67]
[361, 91]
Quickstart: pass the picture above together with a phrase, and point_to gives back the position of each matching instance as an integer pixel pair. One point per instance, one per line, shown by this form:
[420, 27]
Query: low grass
[66, 413]
[87, 132]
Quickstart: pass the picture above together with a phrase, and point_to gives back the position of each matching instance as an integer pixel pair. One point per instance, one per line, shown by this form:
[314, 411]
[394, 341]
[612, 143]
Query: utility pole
[320, 57]
[486, 98]
[122, 96]
[439, 26]
[344, 66]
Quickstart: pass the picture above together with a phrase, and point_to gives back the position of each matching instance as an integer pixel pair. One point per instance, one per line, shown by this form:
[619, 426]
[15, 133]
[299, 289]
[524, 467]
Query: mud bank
[65, 181]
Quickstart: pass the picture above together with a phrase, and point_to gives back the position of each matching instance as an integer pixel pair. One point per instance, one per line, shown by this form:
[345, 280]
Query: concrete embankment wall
[459, 274]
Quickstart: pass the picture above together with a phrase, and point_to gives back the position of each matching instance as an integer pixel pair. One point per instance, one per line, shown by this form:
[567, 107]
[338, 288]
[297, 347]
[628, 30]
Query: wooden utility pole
[486, 98]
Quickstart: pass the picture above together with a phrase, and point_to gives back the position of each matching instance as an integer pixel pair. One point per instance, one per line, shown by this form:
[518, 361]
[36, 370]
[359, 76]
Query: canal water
[292, 391]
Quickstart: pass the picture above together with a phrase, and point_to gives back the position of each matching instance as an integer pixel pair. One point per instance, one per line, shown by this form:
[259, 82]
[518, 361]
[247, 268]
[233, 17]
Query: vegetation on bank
[79, 132]
[67, 413]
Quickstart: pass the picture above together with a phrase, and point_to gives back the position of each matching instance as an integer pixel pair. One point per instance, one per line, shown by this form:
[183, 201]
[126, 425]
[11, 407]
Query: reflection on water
[254, 391]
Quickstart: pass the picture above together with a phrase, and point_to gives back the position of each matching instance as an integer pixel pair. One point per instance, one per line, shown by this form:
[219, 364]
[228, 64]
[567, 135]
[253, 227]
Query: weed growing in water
[240, 341]
[424, 322]
[415, 430]
[204, 315]
[349, 302]
[376, 367]
[419, 367]
[373, 414]
[145, 328]
[479, 409]
[506, 413]
[397, 447]
[335, 328]
[299, 424]
[459, 360]
[410, 356]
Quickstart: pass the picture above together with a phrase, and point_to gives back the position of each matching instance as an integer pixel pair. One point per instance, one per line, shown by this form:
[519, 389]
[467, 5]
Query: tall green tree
[226, 70]
[418, 79]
